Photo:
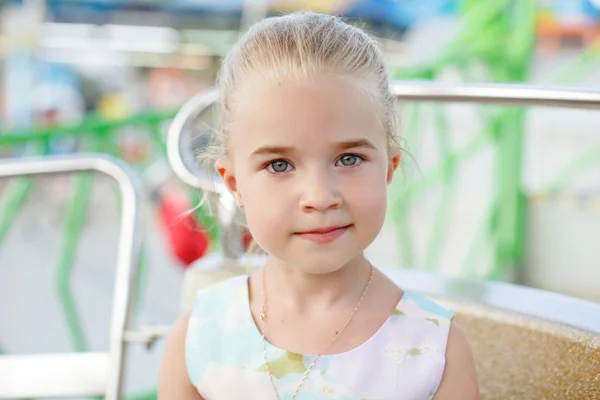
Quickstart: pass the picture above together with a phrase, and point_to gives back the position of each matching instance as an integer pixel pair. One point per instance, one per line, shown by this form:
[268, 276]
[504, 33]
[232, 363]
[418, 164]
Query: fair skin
[305, 158]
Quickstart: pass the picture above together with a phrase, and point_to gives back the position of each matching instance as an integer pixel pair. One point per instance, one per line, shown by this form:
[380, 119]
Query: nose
[320, 193]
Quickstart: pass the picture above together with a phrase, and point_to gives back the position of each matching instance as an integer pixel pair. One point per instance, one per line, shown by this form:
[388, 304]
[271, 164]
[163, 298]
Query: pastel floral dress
[403, 360]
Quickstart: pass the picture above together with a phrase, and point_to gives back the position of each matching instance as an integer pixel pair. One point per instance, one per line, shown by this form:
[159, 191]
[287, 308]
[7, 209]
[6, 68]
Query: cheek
[369, 199]
[261, 194]
[266, 207]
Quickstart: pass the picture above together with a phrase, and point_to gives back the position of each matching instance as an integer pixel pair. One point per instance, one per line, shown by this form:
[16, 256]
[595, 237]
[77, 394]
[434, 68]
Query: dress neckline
[245, 282]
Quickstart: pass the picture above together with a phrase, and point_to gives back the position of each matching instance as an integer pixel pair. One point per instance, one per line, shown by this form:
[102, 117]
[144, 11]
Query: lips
[324, 235]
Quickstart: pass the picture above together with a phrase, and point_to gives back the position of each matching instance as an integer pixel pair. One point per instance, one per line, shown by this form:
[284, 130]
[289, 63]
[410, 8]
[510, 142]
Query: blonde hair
[301, 45]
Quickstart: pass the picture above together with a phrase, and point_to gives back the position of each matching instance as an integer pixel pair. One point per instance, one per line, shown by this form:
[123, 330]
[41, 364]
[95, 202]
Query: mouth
[324, 235]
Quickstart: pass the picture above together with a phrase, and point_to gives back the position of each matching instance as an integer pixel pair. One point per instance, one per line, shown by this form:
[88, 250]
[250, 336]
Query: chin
[321, 262]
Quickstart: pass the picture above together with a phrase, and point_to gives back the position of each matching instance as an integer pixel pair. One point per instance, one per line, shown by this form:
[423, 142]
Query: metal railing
[503, 94]
[128, 248]
[184, 165]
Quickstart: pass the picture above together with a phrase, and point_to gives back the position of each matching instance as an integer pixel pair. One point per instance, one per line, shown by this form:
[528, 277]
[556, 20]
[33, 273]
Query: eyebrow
[353, 144]
[283, 150]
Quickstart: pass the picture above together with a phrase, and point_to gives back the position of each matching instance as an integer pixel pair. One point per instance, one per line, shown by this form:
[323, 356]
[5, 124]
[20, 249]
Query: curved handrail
[129, 241]
[501, 94]
[183, 167]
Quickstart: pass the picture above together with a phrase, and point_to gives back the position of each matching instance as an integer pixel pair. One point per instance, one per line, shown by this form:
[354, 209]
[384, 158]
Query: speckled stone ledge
[522, 357]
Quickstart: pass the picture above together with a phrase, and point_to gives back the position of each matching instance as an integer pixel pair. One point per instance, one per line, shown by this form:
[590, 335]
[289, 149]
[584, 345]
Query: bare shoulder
[174, 382]
[459, 381]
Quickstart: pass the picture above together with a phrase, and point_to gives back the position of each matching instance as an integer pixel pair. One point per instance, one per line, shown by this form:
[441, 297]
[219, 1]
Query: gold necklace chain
[263, 317]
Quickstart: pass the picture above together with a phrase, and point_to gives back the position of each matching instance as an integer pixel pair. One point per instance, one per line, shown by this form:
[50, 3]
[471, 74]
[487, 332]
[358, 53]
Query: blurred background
[487, 192]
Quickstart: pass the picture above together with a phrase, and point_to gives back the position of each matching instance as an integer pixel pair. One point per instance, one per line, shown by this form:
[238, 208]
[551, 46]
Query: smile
[323, 235]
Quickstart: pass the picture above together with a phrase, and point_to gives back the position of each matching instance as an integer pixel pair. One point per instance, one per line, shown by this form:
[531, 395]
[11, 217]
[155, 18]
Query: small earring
[241, 206]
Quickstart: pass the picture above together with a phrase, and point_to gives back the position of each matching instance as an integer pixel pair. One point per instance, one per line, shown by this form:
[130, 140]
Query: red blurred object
[187, 240]
[246, 238]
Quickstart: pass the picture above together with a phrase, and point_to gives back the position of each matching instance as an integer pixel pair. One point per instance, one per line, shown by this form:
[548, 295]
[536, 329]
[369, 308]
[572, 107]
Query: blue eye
[349, 160]
[278, 166]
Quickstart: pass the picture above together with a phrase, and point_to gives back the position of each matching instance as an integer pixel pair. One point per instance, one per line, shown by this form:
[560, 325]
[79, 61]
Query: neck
[305, 292]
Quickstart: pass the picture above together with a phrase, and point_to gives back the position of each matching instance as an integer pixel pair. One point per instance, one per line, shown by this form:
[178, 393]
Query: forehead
[296, 112]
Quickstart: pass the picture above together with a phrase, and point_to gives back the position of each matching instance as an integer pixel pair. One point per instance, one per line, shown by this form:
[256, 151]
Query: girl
[307, 148]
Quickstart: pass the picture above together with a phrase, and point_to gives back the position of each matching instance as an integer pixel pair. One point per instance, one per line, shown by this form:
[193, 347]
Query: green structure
[495, 43]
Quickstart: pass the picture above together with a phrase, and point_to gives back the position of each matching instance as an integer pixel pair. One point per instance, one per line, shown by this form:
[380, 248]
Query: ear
[393, 162]
[225, 171]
